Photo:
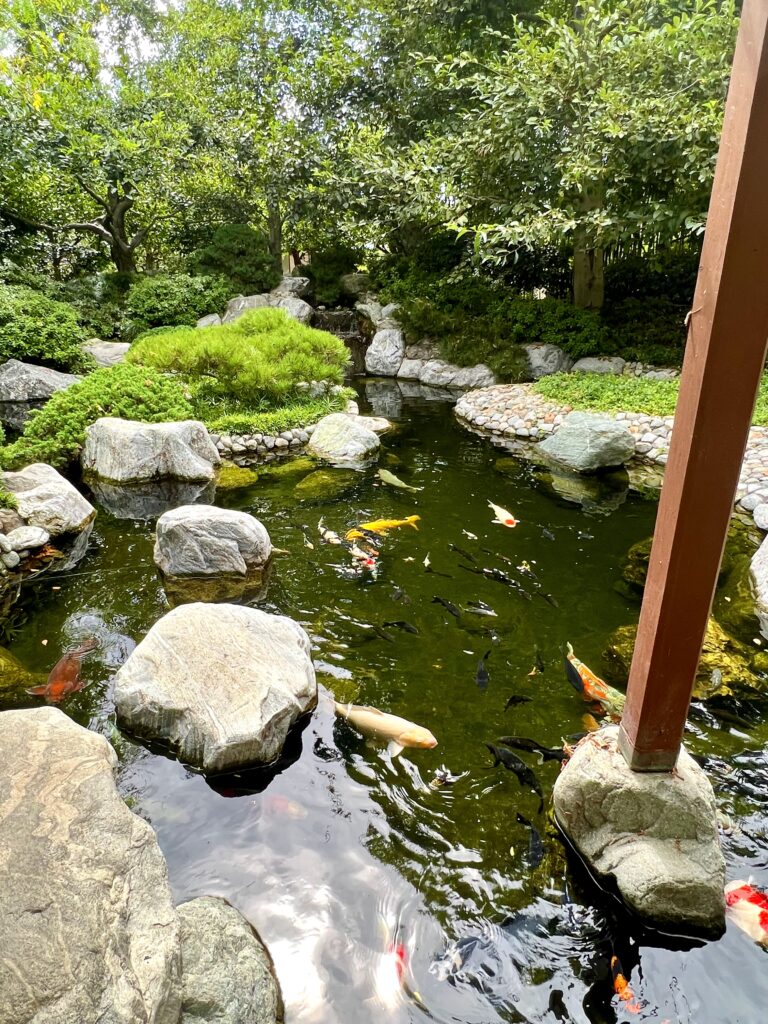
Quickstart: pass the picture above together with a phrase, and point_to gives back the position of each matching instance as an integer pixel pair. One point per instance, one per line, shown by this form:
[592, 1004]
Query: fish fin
[573, 676]
[394, 749]
[36, 691]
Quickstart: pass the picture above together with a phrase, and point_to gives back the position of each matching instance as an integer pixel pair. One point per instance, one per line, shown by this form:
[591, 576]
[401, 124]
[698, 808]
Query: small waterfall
[354, 330]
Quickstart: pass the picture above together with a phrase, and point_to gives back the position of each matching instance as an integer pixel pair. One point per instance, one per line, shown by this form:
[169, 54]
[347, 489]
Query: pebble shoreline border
[506, 412]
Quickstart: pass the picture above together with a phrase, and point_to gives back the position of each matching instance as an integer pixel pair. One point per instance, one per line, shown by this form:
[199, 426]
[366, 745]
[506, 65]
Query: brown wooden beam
[724, 358]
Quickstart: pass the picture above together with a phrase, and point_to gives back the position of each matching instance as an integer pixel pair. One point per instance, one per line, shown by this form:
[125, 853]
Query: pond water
[344, 852]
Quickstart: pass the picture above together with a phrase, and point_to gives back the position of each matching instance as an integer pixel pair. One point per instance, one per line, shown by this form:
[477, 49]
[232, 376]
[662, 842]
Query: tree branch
[92, 193]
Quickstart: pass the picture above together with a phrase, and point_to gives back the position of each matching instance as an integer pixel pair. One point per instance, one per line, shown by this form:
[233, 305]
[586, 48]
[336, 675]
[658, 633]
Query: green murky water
[343, 851]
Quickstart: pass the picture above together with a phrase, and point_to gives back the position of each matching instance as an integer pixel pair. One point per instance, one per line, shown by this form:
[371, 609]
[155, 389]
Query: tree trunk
[275, 235]
[123, 258]
[588, 280]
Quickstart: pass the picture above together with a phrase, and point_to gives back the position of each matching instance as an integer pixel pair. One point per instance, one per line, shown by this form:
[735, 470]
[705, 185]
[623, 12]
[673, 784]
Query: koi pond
[342, 853]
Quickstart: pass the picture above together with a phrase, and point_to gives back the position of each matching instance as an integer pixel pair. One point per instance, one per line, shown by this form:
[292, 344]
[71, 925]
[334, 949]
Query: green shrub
[173, 300]
[650, 330]
[240, 254]
[55, 433]
[98, 301]
[325, 271]
[257, 361]
[667, 274]
[40, 330]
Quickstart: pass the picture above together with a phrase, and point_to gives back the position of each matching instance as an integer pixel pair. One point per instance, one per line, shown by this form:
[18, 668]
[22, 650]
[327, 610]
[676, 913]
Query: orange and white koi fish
[381, 526]
[399, 732]
[503, 517]
[621, 987]
[592, 687]
[748, 908]
[65, 675]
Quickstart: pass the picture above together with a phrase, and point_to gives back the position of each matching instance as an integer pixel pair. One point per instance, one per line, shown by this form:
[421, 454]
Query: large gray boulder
[441, 374]
[106, 353]
[125, 451]
[385, 353]
[343, 441]
[297, 287]
[759, 567]
[585, 442]
[227, 974]
[600, 364]
[47, 500]
[210, 320]
[655, 834]
[220, 683]
[89, 933]
[242, 304]
[24, 382]
[544, 359]
[355, 284]
[203, 540]
[294, 307]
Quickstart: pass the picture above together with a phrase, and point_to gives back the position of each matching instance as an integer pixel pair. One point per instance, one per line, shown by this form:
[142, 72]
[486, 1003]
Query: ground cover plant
[599, 392]
[56, 433]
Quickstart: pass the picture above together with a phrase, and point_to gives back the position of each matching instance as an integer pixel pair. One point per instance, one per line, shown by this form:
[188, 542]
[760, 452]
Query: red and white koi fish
[503, 517]
[65, 675]
[748, 908]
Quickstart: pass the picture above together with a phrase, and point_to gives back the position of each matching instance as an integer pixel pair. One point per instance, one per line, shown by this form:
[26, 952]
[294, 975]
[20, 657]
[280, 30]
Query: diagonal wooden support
[724, 358]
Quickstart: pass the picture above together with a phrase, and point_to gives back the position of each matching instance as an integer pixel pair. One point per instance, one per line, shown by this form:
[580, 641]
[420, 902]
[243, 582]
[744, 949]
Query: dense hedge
[239, 254]
[39, 330]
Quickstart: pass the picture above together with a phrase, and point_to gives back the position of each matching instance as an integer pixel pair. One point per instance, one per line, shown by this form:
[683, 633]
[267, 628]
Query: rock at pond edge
[127, 451]
[227, 973]
[654, 833]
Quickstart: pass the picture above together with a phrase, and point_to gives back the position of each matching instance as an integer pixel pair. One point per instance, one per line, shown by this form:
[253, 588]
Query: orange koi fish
[748, 908]
[65, 675]
[592, 687]
[502, 516]
[621, 987]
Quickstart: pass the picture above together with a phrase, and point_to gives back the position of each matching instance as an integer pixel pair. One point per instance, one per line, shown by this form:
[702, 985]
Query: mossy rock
[15, 679]
[735, 604]
[741, 669]
[286, 468]
[326, 484]
[232, 477]
[645, 479]
[743, 541]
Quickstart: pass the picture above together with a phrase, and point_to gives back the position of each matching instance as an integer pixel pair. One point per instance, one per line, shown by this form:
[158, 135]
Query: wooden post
[724, 358]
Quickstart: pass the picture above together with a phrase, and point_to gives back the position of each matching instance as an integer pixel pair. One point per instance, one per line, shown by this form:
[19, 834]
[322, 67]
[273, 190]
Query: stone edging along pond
[507, 412]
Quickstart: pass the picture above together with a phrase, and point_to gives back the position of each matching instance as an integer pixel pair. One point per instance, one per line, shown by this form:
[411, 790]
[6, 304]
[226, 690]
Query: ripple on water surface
[382, 897]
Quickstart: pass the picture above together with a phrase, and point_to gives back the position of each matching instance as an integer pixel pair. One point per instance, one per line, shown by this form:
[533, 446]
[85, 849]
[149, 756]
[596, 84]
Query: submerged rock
[203, 540]
[585, 442]
[15, 679]
[341, 440]
[221, 684]
[326, 484]
[385, 353]
[89, 932]
[654, 833]
[125, 451]
[227, 974]
[232, 477]
[47, 500]
[602, 493]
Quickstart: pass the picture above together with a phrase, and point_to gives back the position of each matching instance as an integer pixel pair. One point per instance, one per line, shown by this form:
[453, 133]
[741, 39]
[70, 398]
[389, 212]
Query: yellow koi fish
[399, 732]
[381, 526]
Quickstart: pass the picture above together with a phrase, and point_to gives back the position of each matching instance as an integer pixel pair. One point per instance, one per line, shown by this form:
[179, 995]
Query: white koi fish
[502, 516]
[399, 732]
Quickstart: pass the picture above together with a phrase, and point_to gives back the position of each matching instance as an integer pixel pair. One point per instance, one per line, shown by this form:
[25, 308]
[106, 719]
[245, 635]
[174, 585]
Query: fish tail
[36, 691]
[569, 648]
